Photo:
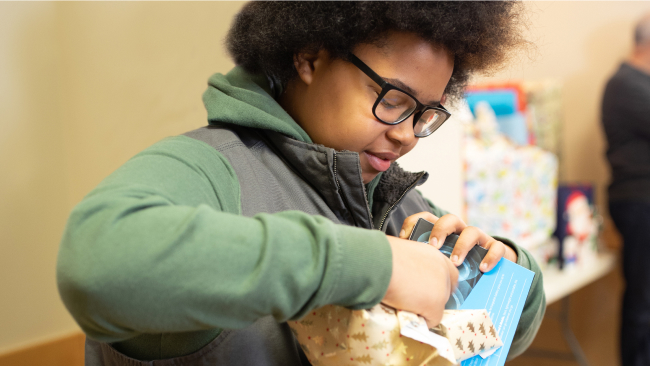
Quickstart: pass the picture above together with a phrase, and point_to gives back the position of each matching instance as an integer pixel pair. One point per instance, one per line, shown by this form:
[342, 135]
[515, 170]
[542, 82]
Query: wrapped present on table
[334, 335]
[509, 190]
[508, 101]
[545, 113]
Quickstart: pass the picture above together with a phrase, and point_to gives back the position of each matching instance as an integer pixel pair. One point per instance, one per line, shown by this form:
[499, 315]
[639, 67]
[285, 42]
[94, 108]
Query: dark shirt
[626, 119]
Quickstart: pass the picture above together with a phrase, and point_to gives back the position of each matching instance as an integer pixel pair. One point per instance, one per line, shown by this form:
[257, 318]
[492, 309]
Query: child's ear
[307, 63]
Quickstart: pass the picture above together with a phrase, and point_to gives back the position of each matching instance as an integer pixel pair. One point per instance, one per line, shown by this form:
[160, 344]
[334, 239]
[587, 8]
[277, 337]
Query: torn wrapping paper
[334, 335]
[415, 327]
[471, 332]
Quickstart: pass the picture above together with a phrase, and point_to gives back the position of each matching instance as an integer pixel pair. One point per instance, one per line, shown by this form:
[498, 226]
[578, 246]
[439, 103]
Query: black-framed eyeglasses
[394, 105]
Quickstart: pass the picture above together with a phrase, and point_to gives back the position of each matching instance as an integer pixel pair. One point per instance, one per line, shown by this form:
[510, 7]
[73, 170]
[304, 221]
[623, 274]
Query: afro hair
[265, 36]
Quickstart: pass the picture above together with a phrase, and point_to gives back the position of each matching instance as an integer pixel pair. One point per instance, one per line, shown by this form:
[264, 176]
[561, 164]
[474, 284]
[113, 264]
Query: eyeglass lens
[428, 122]
[396, 106]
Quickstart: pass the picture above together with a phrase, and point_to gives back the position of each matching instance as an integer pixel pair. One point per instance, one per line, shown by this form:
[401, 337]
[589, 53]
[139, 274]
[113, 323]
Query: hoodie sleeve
[160, 246]
[535, 306]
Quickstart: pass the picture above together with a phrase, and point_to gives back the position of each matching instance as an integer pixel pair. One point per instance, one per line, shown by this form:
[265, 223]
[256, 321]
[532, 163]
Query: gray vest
[277, 173]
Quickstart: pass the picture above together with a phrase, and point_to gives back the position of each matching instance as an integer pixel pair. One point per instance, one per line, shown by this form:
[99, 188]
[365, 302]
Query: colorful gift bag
[509, 190]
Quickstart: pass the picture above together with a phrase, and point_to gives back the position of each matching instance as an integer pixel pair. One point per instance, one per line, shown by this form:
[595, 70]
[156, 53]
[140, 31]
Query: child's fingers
[496, 250]
[468, 238]
[409, 223]
[446, 225]
[510, 253]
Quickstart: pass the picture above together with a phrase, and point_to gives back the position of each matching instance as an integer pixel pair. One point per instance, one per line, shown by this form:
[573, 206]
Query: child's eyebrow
[402, 85]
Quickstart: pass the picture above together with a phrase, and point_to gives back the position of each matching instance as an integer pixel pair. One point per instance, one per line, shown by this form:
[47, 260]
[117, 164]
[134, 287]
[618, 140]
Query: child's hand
[422, 279]
[468, 237]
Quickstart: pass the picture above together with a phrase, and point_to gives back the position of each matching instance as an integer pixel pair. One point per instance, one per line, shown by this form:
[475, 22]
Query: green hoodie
[158, 259]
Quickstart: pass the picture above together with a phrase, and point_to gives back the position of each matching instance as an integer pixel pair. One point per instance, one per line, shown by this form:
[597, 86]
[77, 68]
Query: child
[201, 247]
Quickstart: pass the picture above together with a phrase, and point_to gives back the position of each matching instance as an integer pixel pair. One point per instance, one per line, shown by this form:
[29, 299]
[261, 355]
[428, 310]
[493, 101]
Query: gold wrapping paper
[334, 335]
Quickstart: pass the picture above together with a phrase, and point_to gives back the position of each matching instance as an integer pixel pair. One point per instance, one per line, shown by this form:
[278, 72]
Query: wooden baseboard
[65, 351]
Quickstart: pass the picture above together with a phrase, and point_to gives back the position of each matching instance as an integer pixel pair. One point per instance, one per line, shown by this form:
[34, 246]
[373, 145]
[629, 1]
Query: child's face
[335, 99]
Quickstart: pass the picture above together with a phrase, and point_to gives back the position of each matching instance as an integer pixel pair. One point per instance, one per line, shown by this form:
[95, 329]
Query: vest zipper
[381, 224]
[336, 176]
[345, 200]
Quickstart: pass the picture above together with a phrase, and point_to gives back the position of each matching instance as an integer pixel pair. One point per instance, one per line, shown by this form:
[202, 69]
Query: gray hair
[642, 31]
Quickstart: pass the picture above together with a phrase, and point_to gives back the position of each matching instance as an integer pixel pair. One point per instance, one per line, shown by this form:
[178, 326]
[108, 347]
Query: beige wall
[84, 86]
[134, 73]
[33, 192]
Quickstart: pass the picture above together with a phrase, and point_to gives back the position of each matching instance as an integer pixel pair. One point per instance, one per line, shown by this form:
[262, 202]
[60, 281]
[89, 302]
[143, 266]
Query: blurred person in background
[626, 120]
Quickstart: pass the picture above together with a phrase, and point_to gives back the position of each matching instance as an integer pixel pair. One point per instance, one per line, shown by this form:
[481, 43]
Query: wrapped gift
[509, 190]
[545, 112]
[334, 335]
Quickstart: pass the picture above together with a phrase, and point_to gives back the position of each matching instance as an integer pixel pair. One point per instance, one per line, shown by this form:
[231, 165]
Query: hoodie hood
[247, 100]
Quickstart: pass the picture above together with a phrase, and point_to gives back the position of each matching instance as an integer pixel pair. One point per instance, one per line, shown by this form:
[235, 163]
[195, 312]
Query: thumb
[432, 320]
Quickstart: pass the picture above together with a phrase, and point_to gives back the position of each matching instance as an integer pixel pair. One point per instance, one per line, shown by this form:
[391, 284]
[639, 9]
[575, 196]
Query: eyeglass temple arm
[367, 70]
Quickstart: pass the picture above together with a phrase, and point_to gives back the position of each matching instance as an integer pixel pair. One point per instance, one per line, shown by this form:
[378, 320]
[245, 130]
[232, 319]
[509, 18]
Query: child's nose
[403, 132]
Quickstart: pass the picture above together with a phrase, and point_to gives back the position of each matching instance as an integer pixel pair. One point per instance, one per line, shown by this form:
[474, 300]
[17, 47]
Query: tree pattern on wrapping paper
[381, 345]
[492, 331]
[365, 359]
[360, 336]
[395, 333]
[324, 340]
[401, 348]
[481, 328]
[470, 326]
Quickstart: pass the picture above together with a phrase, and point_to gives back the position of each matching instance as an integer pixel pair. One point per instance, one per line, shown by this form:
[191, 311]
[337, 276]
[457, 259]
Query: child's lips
[380, 161]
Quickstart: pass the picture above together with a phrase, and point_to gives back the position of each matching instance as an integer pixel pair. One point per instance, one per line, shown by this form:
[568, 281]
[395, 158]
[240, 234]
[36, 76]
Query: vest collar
[336, 176]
